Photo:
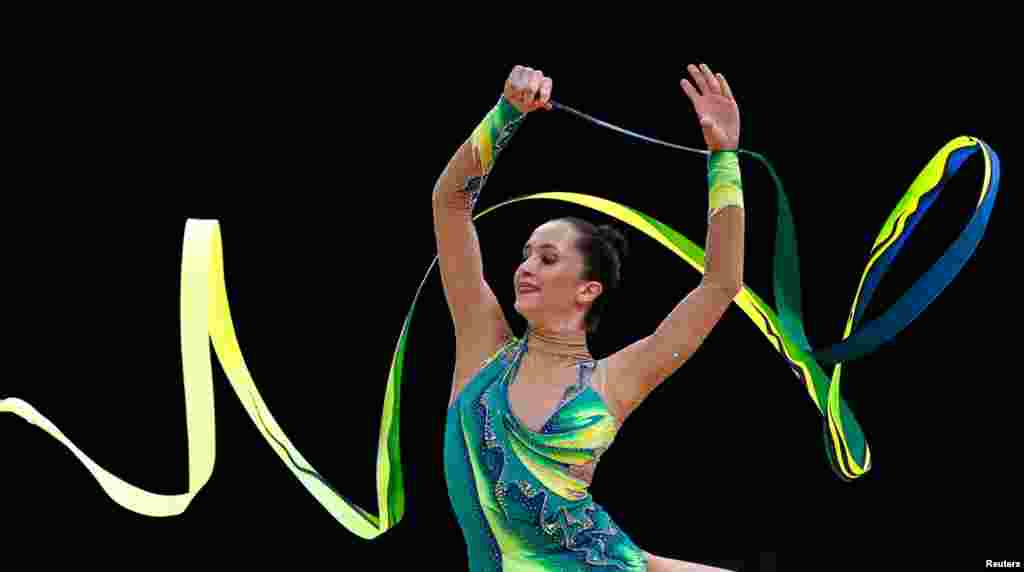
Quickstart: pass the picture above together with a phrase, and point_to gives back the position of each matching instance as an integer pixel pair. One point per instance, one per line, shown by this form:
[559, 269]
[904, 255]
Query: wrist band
[493, 133]
[724, 183]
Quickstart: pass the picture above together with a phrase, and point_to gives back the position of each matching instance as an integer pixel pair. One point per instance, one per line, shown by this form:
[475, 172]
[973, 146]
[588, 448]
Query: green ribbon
[206, 318]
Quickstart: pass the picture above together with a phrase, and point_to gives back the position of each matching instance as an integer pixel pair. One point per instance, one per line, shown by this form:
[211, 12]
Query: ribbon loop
[205, 315]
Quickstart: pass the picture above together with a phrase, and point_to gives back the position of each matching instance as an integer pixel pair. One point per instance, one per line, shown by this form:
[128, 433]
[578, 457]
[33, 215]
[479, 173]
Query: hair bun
[615, 238]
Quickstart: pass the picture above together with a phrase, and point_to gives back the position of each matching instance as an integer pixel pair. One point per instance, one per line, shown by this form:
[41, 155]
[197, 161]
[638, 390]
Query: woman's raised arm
[639, 368]
[480, 324]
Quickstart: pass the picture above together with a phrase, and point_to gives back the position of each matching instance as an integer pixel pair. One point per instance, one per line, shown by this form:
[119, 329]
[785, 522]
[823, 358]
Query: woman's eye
[548, 260]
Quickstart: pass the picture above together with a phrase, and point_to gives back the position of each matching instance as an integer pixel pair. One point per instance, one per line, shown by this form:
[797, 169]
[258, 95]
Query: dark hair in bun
[615, 238]
[603, 249]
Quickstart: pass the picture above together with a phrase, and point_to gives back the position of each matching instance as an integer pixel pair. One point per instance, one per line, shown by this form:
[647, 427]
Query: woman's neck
[566, 346]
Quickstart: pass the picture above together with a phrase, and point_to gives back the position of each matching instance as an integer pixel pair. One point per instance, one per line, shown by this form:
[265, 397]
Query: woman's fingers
[726, 90]
[691, 91]
[545, 92]
[528, 89]
[512, 84]
[519, 83]
[533, 86]
[523, 85]
[710, 80]
[698, 79]
[708, 83]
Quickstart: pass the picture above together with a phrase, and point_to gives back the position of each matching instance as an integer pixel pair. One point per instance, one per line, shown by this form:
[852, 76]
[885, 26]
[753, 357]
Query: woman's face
[551, 264]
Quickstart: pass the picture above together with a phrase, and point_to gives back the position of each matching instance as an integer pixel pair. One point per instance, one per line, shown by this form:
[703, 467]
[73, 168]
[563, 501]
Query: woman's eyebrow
[545, 245]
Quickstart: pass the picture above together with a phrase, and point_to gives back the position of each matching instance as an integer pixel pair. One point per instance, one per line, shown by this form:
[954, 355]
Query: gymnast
[528, 419]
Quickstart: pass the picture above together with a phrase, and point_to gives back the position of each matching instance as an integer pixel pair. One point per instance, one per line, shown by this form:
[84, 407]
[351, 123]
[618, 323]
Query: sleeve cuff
[508, 111]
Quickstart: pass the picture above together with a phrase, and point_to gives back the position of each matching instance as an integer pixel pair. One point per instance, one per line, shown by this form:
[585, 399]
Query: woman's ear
[591, 291]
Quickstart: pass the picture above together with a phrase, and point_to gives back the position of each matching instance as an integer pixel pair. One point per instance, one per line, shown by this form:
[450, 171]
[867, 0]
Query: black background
[318, 160]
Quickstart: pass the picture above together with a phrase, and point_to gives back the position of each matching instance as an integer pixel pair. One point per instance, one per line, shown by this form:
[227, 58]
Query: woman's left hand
[716, 108]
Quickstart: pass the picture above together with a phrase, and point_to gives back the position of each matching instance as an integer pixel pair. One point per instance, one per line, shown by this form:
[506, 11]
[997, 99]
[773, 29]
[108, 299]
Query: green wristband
[492, 134]
[725, 187]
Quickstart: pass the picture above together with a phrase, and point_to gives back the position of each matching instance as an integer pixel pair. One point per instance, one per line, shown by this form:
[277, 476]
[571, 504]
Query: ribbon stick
[205, 315]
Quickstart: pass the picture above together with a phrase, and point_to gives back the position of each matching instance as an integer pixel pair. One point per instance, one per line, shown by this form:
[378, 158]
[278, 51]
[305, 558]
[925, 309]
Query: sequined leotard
[519, 506]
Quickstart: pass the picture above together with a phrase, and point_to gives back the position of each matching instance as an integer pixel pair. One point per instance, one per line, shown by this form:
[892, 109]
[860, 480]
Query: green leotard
[519, 507]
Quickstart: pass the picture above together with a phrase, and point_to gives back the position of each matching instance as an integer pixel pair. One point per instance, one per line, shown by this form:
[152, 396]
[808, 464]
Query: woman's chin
[523, 307]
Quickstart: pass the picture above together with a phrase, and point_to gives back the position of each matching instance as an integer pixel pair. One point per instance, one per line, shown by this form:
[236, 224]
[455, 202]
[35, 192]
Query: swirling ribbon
[205, 314]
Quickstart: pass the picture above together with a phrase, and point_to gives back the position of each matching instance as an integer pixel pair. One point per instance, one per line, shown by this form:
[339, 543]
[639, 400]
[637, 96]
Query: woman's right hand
[523, 87]
[716, 108]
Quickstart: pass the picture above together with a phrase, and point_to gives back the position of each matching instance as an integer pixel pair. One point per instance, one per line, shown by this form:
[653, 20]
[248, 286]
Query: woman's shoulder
[468, 367]
[472, 352]
[506, 350]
